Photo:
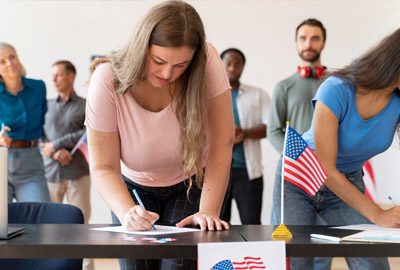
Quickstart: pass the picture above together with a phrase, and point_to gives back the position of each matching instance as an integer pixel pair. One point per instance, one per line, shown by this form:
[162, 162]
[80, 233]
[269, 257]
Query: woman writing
[357, 111]
[160, 121]
[22, 108]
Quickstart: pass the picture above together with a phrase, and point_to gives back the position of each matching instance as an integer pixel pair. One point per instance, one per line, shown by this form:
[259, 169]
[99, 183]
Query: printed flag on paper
[254, 255]
[82, 147]
[301, 167]
[247, 263]
[369, 181]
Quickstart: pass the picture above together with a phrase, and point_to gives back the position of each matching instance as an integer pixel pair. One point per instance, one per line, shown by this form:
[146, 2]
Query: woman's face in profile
[10, 67]
[166, 64]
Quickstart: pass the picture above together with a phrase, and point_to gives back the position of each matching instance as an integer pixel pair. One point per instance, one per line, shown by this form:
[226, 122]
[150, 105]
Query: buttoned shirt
[64, 127]
[24, 112]
[253, 107]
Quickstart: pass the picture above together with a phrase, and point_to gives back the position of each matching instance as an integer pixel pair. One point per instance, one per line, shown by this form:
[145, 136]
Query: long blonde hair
[4, 45]
[171, 24]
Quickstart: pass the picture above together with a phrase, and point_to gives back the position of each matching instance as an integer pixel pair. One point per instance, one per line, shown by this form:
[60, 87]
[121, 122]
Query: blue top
[24, 113]
[358, 139]
[238, 159]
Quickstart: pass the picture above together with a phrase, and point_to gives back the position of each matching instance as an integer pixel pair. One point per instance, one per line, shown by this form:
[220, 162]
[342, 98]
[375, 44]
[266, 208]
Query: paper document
[366, 227]
[160, 229]
[374, 236]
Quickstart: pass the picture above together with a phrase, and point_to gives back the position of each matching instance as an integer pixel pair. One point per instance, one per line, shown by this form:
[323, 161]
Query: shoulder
[211, 51]
[336, 86]
[104, 70]
[103, 77]
[251, 89]
[288, 82]
[34, 83]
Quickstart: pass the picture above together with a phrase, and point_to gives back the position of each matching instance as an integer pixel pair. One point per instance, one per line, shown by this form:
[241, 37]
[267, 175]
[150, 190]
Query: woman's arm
[221, 130]
[105, 170]
[325, 134]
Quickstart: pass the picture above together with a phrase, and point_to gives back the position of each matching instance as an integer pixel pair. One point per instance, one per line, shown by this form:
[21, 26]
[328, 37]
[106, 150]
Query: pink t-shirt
[150, 149]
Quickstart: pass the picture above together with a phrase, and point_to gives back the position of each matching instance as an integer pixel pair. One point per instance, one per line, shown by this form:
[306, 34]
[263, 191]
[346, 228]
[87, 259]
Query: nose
[166, 73]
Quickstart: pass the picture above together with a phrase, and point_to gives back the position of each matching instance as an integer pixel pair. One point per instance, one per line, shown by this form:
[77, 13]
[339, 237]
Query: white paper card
[160, 229]
[268, 255]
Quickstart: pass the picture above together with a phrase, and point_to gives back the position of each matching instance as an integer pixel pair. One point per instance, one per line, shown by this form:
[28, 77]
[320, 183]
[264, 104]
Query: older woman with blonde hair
[22, 110]
[159, 121]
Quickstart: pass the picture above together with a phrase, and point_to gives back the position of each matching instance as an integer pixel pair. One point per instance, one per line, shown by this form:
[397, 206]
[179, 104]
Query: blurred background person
[250, 109]
[67, 175]
[22, 111]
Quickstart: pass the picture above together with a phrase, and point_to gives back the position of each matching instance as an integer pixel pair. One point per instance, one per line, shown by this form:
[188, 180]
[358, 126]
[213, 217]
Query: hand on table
[139, 219]
[206, 221]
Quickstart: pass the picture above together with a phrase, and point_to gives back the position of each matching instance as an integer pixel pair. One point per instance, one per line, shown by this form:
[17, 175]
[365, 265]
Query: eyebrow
[162, 60]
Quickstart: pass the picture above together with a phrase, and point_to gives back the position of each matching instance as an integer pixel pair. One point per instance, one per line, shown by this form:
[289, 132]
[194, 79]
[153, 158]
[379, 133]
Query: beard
[312, 58]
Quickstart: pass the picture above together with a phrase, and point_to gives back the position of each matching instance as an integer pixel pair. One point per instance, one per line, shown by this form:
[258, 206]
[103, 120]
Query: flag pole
[77, 144]
[282, 232]
[282, 171]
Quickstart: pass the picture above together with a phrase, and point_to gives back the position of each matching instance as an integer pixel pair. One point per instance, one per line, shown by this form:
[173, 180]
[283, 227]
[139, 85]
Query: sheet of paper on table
[160, 230]
[366, 227]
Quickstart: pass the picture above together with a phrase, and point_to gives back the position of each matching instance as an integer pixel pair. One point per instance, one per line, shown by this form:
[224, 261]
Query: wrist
[245, 133]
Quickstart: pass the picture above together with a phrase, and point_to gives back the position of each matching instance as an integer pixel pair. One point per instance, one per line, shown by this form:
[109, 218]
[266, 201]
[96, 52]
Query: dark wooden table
[301, 245]
[78, 241]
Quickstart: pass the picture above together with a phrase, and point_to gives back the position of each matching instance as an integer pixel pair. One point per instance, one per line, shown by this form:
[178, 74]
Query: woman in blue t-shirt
[22, 108]
[357, 112]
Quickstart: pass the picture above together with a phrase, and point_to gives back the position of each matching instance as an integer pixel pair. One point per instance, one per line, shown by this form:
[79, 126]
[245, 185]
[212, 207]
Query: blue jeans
[26, 177]
[300, 209]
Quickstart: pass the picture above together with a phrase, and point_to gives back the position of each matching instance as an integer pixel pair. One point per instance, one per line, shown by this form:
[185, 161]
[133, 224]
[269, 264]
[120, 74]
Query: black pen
[141, 204]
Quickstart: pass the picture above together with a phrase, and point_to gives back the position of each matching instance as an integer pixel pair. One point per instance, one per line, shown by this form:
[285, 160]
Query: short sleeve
[335, 93]
[216, 80]
[101, 109]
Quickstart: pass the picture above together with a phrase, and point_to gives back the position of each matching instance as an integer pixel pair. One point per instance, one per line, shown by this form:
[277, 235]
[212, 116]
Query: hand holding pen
[390, 217]
[4, 139]
[138, 218]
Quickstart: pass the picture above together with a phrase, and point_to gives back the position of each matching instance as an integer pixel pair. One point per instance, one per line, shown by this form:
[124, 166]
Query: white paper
[375, 236]
[160, 229]
[269, 255]
[366, 227]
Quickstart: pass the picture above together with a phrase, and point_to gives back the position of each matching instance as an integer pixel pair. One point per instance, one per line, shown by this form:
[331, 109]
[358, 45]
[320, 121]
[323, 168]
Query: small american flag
[81, 145]
[301, 167]
[250, 263]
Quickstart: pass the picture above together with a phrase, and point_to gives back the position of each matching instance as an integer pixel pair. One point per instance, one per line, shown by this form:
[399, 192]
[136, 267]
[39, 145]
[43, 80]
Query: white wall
[46, 31]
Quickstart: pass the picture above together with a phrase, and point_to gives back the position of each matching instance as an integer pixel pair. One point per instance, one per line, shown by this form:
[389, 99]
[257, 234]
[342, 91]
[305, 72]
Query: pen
[326, 237]
[393, 201]
[141, 203]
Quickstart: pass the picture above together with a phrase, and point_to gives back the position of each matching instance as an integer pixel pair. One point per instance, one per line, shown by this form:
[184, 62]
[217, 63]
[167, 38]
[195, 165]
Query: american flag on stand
[300, 165]
[369, 181]
[248, 263]
[81, 145]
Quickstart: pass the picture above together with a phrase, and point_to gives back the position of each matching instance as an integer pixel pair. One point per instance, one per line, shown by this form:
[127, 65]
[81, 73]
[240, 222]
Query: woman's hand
[4, 139]
[206, 221]
[389, 218]
[139, 219]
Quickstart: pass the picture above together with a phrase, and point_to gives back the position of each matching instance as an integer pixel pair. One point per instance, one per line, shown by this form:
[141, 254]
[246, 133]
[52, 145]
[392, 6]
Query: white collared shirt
[253, 105]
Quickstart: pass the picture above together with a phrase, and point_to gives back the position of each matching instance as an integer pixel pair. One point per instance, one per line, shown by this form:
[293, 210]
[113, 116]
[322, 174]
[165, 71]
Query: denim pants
[173, 204]
[300, 209]
[26, 178]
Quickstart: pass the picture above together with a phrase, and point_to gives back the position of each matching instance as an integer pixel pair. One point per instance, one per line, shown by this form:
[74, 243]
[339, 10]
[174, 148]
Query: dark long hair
[379, 68]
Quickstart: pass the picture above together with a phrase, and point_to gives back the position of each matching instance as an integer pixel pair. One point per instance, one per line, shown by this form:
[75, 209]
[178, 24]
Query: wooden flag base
[282, 233]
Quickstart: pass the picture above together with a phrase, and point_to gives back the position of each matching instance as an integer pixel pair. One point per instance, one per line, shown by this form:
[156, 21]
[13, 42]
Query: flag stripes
[301, 167]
